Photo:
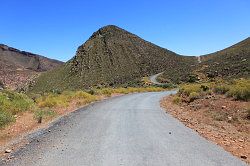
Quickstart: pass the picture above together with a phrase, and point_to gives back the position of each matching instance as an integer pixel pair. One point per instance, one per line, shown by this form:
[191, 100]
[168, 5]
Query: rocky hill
[230, 63]
[110, 57]
[115, 57]
[16, 67]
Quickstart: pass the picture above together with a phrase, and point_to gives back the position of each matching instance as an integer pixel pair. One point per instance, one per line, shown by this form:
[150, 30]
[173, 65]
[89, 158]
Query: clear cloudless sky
[55, 28]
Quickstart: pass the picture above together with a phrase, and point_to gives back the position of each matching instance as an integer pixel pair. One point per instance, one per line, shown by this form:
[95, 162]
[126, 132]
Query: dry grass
[64, 99]
[12, 103]
[176, 99]
[49, 105]
[238, 89]
[109, 91]
[187, 89]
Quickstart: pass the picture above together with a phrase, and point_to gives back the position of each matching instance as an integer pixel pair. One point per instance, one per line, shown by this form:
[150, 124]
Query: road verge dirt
[218, 119]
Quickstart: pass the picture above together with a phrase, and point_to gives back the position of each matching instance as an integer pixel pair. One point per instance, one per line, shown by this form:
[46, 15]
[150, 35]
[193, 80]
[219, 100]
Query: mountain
[232, 62]
[16, 67]
[115, 57]
[111, 57]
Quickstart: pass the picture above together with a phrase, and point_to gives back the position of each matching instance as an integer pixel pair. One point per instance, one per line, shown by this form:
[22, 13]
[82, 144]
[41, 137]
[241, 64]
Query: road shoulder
[233, 137]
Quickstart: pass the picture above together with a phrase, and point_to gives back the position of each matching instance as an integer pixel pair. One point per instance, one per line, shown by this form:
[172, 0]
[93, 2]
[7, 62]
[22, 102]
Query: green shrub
[41, 114]
[15, 102]
[187, 89]
[221, 89]
[240, 90]
[105, 91]
[193, 96]
[12, 103]
[56, 91]
[5, 118]
[91, 91]
[176, 100]
[109, 91]
[192, 78]
[123, 90]
[84, 97]
[204, 87]
[49, 101]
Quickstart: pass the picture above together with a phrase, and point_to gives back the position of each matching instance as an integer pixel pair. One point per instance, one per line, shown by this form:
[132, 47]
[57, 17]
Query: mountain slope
[17, 66]
[111, 56]
[232, 62]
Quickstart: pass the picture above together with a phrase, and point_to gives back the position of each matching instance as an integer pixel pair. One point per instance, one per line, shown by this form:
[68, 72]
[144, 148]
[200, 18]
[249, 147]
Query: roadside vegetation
[218, 110]
[11, 104]
[49, 105]
[230, 63]
[237, 89]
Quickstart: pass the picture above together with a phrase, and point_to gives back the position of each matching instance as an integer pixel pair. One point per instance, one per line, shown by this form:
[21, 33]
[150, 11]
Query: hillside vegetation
[112, 57]
[230, 63]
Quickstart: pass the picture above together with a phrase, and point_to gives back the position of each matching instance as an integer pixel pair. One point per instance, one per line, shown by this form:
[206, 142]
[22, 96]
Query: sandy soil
[218, 119]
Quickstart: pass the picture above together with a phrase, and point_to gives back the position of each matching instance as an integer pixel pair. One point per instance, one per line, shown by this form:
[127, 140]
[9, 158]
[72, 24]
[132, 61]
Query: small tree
[192, 78]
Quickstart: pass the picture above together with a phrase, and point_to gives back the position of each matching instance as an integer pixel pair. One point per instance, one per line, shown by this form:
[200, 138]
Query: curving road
[153, 79]
[199, 59]
[129, 130]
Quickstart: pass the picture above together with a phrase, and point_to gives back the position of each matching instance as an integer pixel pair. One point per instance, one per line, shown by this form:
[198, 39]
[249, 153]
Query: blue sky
[55, 28]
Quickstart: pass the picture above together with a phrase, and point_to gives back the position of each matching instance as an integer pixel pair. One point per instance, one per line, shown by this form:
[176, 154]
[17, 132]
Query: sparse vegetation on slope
[230, 63]
[112, 57]
[181, 71]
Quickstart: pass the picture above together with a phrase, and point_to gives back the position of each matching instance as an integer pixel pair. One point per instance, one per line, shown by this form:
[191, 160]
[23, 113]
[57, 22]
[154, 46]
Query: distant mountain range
[16, 66]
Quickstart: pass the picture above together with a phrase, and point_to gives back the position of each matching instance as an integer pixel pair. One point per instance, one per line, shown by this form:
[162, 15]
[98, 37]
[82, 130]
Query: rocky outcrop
[26, 60]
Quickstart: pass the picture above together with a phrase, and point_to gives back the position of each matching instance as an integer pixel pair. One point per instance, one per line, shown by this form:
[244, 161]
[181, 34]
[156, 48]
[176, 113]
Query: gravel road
[129, 130]
[153, 79]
